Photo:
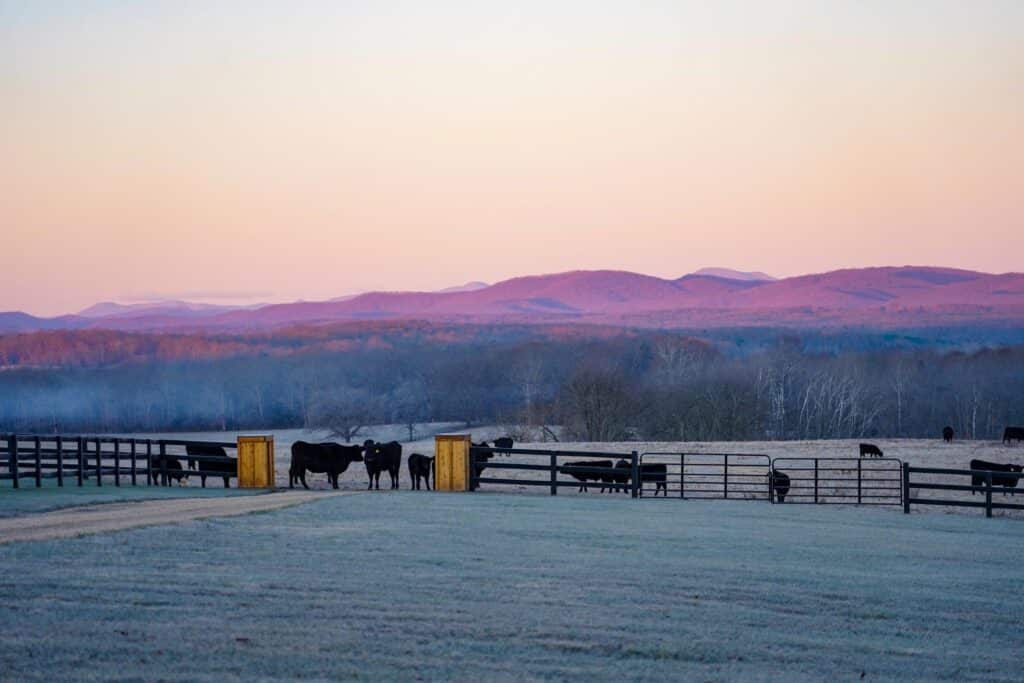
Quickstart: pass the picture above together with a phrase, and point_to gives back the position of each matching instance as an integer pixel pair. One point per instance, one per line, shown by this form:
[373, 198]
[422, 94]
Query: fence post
[164, 481]
[60, 461]
[12, 456]
[150, 479]
[117, 462]
[859, 462]
[635, 476]
[133, 461]
[725, 479]
[682, 474]
[815, 480]
[554, 474]
[81, 459]
[39, 463]
[905, 492]
[99, 462]
[771, 483]
[988, 494]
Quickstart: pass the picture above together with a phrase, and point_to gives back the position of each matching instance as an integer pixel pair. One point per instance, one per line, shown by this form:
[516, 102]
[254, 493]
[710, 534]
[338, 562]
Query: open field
[412, 586]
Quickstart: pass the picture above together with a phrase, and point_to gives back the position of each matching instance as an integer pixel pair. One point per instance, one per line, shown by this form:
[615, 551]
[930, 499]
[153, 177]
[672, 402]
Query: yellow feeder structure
[451, 462]
[256, 462]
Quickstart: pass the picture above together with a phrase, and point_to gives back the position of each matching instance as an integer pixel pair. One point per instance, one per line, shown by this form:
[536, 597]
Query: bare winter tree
[343, 411]
[597, 405]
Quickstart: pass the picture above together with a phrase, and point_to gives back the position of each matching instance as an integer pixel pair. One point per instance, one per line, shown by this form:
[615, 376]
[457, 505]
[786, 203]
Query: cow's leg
[302, 478]
[426, 478]
[202, 479]
[227, 482]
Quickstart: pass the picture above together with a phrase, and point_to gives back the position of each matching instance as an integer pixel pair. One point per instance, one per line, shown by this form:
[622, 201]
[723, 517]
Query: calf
[330, 458]
[1013, 434]
[947, 434]
[780, 484]
[870, 449]
[574, 470]
[480, 459]
[420, 467]
[1008, 481]
[223, 468]
[382, 457]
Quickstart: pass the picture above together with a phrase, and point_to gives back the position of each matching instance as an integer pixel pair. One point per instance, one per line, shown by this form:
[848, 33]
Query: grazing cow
[870, 449]
[1008, 481]
[1013, 434]
[420, 467]
[780, 484]
[225, 469]
[947, 434]
[171, 469]
[382, 457]
[505, 443]
[331, 458]
[573, 470]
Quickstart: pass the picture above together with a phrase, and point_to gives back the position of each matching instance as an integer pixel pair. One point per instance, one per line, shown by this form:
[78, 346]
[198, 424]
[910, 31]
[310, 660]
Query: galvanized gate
[705, 476]
[859, 481]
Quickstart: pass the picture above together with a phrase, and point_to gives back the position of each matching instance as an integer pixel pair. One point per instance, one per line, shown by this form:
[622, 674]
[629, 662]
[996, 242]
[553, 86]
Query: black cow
[870, 449]
[573, 470]
[381, 457]
[225, 469]
[504, 444]
[171, 469]
[658, 473]
[420, 467]
[1008, 481]
[331, 458]
[619, 477]
[780, 483]
[480, 459]
[1013, 434]
[947, 434]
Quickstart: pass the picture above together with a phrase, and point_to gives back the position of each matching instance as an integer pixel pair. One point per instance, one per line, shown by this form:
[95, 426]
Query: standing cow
[947, 434]
[780, 484]
[1007, 475]
[420, 467]
[331, 458]
[382, 457]
[225, 469]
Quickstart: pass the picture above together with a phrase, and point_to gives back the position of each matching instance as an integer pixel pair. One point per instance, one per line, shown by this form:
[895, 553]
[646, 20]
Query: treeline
[651, 386]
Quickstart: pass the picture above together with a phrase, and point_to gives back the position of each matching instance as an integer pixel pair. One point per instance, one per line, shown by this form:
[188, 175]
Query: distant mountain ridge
[880, 297]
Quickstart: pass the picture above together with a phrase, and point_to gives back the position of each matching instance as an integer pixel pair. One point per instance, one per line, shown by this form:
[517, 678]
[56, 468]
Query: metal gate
[860, 481]
[707, 476]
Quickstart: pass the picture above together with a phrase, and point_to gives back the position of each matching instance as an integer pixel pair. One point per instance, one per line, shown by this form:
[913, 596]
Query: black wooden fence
[951, 481]
[111, 460]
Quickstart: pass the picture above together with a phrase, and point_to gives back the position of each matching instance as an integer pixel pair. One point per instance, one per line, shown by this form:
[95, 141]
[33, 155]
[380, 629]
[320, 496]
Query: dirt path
[95, 519]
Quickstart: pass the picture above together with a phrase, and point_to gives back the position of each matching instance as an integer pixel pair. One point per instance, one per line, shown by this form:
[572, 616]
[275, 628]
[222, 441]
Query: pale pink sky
[226, 152]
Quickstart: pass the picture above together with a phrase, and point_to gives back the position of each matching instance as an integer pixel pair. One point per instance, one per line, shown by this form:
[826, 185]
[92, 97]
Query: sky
[239, 152]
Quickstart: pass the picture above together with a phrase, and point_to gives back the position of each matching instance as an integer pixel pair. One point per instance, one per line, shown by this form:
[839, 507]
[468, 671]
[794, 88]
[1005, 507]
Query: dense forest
[599, 386]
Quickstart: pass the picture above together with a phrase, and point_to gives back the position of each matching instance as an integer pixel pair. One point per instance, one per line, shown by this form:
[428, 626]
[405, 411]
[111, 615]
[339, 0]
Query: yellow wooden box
[256, 462]
[451, 462]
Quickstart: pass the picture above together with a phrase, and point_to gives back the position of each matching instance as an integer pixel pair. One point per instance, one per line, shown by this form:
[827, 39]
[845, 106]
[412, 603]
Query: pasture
[414, 586]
